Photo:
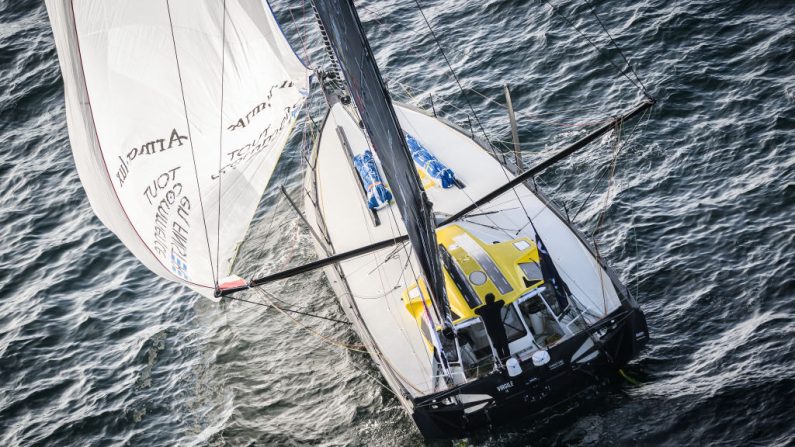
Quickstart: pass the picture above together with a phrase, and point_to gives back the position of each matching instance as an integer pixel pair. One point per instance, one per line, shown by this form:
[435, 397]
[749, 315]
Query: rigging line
[469, 104]
[601, 52]
[392, 314]
[377, 354]
[455, 52]
[270, 224]
[96, 139]
[521, 203]
[307, 58]
[302, 150]
[357, 270]
[407, 248]
[413, 96]
[275, 212]
[528, 114]
[637, 280]
[311, 135]
[582, 107]
[487, 201]
[397, 283]
[319, 336]
[481, 224]
[504, 106]
[619, 146]
[519, 114]
[597, 342]
[593, 11]
[619, 126]
[376, 297]
[392, 254]
[606, 170]
[402, 279]
[389, 366]
[190, 137]
[292, 307]
[492, 207]
[491, 212]
[394, 228]
[452, 72]
[488, 215]
[378, 382]
[307, 145]
[286, 309]
[361, 370]
[560, 202]
[220, 147]
[610, 182]
[560, 268]
[501, 164]
[600, 122]
[596, 184]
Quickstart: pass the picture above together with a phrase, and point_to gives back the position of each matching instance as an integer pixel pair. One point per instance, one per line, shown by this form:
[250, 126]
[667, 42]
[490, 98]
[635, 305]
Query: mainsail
[346, 35]
[178, 112]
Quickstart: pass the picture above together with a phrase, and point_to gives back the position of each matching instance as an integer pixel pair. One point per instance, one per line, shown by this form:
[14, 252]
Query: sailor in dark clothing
[491, 314]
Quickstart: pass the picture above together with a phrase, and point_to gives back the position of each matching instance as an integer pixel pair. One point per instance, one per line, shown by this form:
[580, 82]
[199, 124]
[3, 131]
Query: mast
[348, 39]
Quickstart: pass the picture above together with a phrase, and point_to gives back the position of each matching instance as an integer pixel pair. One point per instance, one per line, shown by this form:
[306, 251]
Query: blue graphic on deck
[429, 163]
[378, 194]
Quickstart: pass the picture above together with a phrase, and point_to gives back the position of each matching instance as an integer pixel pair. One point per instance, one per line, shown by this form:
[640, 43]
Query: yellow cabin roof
[478, 268]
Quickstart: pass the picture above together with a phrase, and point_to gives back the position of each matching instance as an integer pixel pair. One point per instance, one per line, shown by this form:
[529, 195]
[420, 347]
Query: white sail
[161, 97]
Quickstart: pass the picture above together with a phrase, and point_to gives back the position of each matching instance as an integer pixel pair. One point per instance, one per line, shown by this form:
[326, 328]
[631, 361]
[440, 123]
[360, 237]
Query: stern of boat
[589, 358]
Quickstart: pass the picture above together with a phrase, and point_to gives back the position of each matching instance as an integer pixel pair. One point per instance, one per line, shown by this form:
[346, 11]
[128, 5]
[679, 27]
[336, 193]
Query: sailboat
[475, 297]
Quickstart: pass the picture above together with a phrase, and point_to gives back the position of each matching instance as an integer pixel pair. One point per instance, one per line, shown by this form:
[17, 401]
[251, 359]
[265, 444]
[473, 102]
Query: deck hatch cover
[474, 249]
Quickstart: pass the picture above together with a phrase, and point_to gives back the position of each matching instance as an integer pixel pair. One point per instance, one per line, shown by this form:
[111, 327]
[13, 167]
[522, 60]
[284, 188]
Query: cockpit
[530, 315]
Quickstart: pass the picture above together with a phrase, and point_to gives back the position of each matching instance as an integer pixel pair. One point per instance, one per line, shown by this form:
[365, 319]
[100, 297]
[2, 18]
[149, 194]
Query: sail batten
[149, 122]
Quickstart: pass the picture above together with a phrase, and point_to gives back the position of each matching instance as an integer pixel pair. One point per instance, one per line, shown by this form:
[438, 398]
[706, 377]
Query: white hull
[369, 287]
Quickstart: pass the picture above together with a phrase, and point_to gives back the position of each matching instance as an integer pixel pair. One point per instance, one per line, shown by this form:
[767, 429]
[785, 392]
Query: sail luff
[143, 105]
[349, 41]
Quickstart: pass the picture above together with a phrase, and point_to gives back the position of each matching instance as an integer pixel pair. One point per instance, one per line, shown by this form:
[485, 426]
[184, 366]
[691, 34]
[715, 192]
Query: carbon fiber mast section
[347, 38]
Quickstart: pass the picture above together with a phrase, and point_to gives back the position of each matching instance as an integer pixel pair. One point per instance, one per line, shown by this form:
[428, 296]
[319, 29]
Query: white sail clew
[161, 97]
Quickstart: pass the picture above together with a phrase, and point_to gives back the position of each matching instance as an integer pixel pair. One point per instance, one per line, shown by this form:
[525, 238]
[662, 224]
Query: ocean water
[697, 218]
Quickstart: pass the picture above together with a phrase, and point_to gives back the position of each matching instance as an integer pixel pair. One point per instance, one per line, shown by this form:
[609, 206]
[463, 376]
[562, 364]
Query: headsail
[347, 37]
[178, 112]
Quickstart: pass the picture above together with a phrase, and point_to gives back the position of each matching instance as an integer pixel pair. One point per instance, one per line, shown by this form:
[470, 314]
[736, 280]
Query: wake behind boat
[473, 294]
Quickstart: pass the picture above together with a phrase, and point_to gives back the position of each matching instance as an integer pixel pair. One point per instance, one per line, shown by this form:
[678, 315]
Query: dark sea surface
[698, 221]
